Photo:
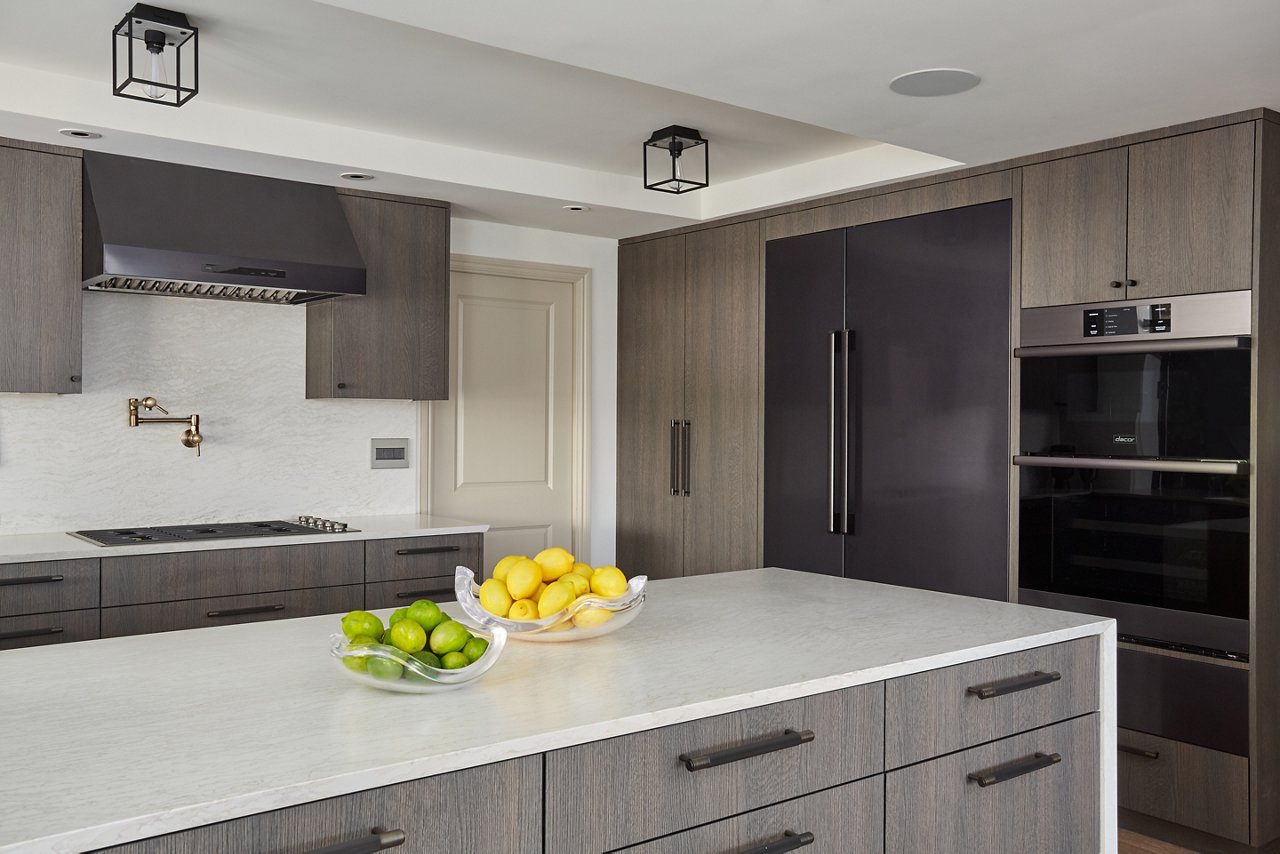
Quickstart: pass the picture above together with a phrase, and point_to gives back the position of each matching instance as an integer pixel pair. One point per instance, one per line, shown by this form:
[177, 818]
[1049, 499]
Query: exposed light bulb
[154, 40]
[679, 177]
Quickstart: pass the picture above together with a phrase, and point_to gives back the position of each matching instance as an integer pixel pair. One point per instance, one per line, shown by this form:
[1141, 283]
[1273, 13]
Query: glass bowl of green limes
[423, 651]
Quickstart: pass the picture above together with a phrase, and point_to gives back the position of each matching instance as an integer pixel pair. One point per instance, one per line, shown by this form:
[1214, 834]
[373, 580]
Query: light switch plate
[388, 453]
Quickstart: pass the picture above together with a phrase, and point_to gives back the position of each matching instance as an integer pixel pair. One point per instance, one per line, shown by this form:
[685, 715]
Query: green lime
[427, 614]
[397, 615]
[426, 658]
[384, 668]
[358, 663]
[361, 623]
[449, 636]
[407, 636]
[475, 648]
[454, 661]
[385, 639]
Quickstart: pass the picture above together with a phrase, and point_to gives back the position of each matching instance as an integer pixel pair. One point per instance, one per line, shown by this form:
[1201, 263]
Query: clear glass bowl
[418, 678]
[557, 628]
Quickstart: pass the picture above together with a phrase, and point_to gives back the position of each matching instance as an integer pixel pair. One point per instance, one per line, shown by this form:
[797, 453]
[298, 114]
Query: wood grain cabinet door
[1073, 229]
[40, 205]
[651, 366]
[1191, 213]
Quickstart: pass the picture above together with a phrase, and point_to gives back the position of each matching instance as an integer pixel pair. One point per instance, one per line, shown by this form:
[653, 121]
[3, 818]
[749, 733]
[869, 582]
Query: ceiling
[512, 110]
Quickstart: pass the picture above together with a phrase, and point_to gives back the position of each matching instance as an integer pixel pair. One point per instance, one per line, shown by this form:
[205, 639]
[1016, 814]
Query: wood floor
[1132, 842]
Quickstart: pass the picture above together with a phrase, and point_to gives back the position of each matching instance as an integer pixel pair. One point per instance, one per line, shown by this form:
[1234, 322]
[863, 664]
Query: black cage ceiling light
[146, 44]
[675, 160]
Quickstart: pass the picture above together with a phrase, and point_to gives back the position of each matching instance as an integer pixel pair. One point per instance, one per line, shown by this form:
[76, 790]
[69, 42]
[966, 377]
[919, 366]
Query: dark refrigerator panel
[804, 318]
[928, 307]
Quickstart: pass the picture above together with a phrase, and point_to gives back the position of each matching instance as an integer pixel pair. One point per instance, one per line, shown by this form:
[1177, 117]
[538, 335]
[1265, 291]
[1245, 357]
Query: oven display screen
[1128, 320]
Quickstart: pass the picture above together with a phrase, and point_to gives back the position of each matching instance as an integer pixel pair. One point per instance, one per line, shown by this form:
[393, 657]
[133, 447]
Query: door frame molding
[580, 279]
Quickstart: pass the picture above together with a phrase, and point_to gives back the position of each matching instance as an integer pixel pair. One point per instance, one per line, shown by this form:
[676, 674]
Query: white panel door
[502, 445]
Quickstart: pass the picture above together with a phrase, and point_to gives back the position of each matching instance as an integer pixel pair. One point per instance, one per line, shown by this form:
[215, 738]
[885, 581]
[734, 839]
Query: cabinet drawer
[139, 579]
[227, 610]
[492, 808]
[939, 806]
[645, 788]
[1194, 786]
[398, 594]
[40, 629]
[56, 585]
[422, 557]
[848, 818]
[940, 711]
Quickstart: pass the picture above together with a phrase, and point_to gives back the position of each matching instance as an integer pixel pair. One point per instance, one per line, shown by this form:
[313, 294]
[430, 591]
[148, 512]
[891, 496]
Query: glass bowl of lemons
[423, 651]
[550, 598]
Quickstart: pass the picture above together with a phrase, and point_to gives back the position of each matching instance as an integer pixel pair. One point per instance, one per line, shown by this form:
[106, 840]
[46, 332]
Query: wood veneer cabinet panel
[1073, 229]
[40, 204]
[491, 808]
[632, 788]
[230, 610]
[399, 594]
[139, 579]
[41, 629]
[393, 342]
[722, 398]
[42, 586]
[934, 806]
[651, 368]
[421, 557]
[1191, 213]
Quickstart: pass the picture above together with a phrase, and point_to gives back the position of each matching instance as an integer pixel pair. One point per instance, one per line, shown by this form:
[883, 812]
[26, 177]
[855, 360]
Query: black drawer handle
[379, 840]
[252, 609]
[34, 579]
[789, 738]
[1013, 684]
[433, 550]
[1138, 751]
[788, 841]
[31, 633]
[1014, 769]
[424, 594]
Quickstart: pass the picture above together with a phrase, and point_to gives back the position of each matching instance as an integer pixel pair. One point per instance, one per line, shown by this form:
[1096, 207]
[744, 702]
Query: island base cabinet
[230, 610]
[848, 818]
[482, 810]
[41, 629]
[1037, 791]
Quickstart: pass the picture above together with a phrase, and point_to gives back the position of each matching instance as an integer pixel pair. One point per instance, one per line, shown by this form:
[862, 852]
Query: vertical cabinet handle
[851, 420]
[378, 840]
[686, 455]
[675, 457]
[1015, 769]
[833, 477]
[788, 841]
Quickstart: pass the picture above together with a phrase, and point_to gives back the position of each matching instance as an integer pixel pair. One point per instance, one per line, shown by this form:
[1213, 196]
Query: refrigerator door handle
[675, 455]
[833, 477]
[850, 435]
[686, 455]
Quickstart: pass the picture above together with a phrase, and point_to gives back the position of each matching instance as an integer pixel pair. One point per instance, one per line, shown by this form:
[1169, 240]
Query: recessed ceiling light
[80, 134]
[576, 208]
[932, 82]
[356, 176]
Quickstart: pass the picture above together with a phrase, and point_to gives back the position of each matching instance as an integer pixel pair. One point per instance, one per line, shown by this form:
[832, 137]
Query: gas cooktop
[212, 531]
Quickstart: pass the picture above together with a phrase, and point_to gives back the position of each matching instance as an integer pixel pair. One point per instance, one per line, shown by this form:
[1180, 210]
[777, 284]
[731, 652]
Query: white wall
[513, 243]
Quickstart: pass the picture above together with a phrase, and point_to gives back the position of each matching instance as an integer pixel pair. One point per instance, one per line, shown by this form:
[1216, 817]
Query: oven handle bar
[1168, 345]
[1184, 466]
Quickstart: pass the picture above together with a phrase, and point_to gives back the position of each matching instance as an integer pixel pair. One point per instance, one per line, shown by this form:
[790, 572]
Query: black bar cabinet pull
[1017, 768]
[1130, 283]
[1117, 284]
[30, 633]
[252, 609]
[1138, 751]
[1013, 685]
[788, 841]
[675, 457]
[789, 738]
[433, 550]
[833, 477]
[34, 579]
[851, 421]
[687, 454]
[379, 840]
[423, 594]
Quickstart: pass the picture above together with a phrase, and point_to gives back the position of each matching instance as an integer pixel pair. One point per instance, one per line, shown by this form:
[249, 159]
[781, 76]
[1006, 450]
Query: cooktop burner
[212, 531]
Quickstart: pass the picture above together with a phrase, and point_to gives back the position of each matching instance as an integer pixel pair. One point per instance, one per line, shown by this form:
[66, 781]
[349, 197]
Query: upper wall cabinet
[39, 271]
[393, 342]
[1173, 216]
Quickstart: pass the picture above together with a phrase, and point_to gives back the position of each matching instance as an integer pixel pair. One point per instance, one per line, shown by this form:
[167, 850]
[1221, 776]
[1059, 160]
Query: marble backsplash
[72, 461]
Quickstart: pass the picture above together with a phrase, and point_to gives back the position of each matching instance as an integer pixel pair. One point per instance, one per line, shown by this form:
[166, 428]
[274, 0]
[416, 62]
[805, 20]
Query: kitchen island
[122, 739]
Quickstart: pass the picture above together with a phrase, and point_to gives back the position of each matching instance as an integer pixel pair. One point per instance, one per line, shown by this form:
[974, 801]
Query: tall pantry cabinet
[689, 402]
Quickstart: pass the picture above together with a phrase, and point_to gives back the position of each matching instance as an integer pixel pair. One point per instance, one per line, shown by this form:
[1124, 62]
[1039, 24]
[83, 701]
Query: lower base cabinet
[40, 629]
[228, 610]
[492, 808]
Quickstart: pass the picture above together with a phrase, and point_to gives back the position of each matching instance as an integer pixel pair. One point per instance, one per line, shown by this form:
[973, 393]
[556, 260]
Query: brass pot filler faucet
[190, 437]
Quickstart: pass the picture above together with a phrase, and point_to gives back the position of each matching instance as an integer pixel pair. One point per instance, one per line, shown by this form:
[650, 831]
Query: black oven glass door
[1165, 539]
[1174, 405]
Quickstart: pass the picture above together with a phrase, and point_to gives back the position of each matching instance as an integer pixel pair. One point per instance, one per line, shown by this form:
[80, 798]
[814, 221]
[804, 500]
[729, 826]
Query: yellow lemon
[523, 579]
[555, 598]
[494, 597]
[580, 585]
[537, 594]
[504, 566]
[583, 569]
[523, 609]
[608, 581]
[591, 617]
[555, 562]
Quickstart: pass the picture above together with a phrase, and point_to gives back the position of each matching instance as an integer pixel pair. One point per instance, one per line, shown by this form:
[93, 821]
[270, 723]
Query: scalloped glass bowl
[558, 628]
[418, 678]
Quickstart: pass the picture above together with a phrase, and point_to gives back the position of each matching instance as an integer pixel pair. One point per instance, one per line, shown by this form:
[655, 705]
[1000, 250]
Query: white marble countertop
[113, 740]
[21, 548]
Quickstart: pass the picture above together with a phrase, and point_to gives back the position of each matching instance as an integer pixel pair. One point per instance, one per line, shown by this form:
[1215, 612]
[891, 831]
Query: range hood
[173, 230]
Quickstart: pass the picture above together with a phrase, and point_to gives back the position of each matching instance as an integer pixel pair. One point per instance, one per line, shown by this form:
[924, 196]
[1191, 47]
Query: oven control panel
[1128, 320]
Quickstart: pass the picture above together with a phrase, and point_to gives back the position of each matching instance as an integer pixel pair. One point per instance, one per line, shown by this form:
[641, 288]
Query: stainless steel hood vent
[173, 230]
